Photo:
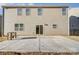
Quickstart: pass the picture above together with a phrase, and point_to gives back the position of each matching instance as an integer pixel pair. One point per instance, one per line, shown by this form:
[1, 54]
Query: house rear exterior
[35, 20]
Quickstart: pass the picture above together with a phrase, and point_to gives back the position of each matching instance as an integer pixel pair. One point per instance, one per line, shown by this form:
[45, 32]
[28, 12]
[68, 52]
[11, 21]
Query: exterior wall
[73, 15]
[50, 16]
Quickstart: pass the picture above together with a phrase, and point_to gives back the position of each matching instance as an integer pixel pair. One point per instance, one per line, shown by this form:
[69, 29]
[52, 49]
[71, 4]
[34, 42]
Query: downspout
[2, 27]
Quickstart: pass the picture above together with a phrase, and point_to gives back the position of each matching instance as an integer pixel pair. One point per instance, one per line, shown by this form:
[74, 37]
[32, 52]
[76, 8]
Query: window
[63, 11]
[16, 27]
[19, 27]
[39, 11]
[54, 25]
[27, 11]
[19, 11]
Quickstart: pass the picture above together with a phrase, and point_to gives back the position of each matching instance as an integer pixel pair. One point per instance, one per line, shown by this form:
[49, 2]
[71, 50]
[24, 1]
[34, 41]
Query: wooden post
[9, 36]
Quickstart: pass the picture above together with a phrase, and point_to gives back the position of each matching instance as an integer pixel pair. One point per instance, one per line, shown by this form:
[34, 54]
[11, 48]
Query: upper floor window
[63, 11]
[28, 11]
[39, 11]
[19, 11]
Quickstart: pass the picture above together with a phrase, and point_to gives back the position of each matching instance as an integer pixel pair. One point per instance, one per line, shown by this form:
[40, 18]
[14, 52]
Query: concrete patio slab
[58, 44]
[41, 44]
[25, 45]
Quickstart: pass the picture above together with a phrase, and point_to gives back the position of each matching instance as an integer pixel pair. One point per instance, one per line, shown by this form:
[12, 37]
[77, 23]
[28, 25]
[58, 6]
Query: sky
[71, 5]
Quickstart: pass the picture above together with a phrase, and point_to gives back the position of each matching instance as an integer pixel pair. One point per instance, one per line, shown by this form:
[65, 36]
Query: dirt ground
[37, 53]
[73, 37]
[3, 39]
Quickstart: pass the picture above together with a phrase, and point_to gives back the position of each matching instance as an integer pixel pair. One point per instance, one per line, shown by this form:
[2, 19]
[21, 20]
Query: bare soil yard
[3, 39]
[73, 37]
